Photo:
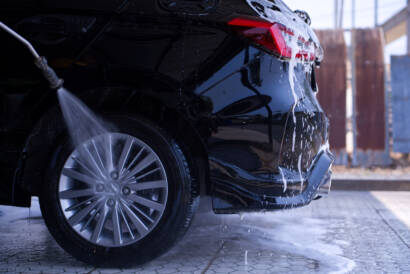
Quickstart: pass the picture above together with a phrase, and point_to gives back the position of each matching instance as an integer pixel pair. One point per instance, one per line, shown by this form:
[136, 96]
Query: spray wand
[41, 62]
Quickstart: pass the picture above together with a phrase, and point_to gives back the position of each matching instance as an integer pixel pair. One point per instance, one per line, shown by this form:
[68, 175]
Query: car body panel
[259, 132]
[262, 138]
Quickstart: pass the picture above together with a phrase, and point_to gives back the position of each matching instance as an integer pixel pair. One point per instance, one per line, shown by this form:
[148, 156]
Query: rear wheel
[120, 198]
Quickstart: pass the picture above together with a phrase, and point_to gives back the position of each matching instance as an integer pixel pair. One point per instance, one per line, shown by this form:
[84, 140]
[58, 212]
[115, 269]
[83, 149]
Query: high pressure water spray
[41, 62]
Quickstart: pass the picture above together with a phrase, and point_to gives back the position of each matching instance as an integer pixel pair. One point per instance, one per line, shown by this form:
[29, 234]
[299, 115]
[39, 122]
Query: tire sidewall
[172, 221]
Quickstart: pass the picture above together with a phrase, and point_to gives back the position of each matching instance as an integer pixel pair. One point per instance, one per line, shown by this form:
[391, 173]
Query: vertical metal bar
[336, 3]
[341, 14]
[353, 83]
[376, 13]
[408, 26]
[387, 92]
[387, 106]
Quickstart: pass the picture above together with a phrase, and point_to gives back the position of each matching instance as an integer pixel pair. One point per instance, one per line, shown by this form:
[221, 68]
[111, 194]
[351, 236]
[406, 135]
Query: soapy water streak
[292, 76]
[292, 81]
[284, 180]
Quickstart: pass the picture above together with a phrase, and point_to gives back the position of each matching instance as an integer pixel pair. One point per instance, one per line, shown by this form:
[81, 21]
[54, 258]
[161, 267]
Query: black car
[204, 98]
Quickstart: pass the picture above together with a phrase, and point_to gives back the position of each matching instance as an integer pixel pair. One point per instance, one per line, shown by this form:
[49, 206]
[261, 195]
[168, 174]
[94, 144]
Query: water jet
[81, 121]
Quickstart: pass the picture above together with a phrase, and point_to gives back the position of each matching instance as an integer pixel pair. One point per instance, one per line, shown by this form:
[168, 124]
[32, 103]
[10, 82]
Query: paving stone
[331, 234]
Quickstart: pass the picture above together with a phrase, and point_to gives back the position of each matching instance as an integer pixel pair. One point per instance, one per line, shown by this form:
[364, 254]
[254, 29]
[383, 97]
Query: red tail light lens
[275, 38]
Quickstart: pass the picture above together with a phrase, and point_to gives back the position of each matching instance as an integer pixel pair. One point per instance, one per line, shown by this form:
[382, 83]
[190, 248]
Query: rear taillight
[275, 38]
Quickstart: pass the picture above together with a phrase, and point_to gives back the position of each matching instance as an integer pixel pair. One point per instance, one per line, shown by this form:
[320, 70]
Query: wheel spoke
[148, 173]
[103, 189]
[100, 224]
[124, 154]
[135, 159]
[73, 174]
[148, 185]
[120, 206]
[83, 165]
[71, 194]
[108, 153]
[72, 207]
[149, 159]
[99, 161]
[99, 206]
[142, 213]
[80, 215]
[85, 152]
[116, 225]
[146, 202]
[138, 224]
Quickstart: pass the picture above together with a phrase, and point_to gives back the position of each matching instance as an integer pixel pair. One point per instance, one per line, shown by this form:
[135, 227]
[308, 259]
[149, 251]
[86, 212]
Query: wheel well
[116, 100]
[191, 144]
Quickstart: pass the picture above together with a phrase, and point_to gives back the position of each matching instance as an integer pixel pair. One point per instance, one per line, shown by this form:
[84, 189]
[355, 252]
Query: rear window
[280, 4]
[263, 5]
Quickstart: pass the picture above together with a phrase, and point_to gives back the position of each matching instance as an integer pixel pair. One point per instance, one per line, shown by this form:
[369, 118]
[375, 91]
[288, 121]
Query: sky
[322, 15]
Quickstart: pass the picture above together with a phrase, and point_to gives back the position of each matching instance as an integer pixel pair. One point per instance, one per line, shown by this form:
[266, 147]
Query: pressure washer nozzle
[49, 73]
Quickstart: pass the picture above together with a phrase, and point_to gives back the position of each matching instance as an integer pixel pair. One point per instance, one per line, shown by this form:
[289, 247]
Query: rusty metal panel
[331, 79]
[400, 69]
[370, 97]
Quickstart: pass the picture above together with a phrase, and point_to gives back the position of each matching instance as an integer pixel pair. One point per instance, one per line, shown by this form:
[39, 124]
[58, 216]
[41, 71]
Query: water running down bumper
[316, 184]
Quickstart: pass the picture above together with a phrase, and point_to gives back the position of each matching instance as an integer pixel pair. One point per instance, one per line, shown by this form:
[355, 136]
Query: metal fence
[368, 123]
[400, 82]
[332, 89]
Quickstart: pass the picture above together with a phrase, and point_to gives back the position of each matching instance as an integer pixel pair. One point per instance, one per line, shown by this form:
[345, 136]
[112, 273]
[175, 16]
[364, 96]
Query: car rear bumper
[316, 183]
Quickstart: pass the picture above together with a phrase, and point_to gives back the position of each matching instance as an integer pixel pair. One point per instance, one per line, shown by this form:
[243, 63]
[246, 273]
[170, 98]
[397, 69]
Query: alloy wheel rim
[113, 189]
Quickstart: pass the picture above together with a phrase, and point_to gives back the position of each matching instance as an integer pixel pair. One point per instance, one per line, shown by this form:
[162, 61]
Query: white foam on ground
[13, 214]
[287, 232]
[305, 237]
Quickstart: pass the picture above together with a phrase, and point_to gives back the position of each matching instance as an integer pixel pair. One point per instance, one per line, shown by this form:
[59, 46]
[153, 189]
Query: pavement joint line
[353, 225]
[11, 256]
[392, 229]
[211, 261]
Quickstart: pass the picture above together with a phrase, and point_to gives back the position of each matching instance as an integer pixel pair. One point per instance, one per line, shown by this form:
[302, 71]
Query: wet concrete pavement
[348, 232]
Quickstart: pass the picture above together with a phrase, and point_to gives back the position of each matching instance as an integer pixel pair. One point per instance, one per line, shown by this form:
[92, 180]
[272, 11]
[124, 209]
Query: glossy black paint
[177, 63]
[259, 129]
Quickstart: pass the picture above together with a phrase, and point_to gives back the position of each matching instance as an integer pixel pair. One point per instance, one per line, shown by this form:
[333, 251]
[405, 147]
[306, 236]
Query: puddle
[285, 236]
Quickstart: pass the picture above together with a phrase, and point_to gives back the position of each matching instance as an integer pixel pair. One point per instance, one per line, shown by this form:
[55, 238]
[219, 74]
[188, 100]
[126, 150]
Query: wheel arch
[160, 110]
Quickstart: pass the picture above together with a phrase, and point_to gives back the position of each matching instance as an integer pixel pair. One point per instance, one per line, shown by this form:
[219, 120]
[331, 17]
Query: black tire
[176, 218]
